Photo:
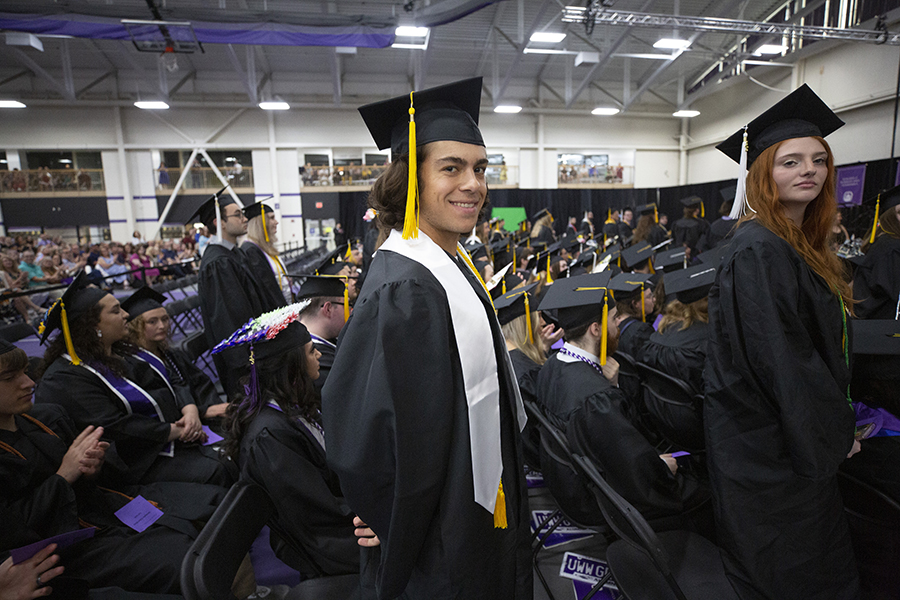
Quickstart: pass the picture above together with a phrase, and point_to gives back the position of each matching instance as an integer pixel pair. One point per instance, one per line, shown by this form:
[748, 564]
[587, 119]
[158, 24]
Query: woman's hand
[856, 448]
[367, 537]
[84, 456]
[190, 421]
[175, 430]
[611, 371]
[549, 336]
[216, 410]
[670, 462]
[29, 578]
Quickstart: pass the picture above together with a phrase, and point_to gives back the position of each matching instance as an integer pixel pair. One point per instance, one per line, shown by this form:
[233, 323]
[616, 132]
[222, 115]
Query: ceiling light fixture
[274, 105]
[410, 46]
[770, 49]
[672, 44]
[605, 111]
[11, 104]
[547, 51]
[406, 31]
[151, 105]
[508, 108]
[547, 37]
[687, 114]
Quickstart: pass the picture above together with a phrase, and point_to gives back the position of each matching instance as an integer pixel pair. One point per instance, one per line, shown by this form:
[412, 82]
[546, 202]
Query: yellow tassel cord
[500, 509]
[411, 218]
[652, 270]
[643, 308]
[549, 278]
[346, 300]
[70, 348]
[702, 210]
[265, 229]
[528, 319]
[656, 214]
[875, 223]
[604, 323]
[349, 254]
[515, 264]
[503, 286]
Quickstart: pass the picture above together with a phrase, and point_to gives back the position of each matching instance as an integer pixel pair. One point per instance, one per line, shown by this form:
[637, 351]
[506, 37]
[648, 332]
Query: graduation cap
[507, 282]
[6, 347]
[477, 251]
[79, 297]
[447, 112]
[885, 200]
[691, 284]
[637, 254]
[627, 286]
[578, 301]
[330, 264]
[713, 257]
[143, 300]
[211, 209]
[647, 209]
[544, 212]
[516, 303]
[670, 260]
[875, 336]
[571, 244]
[260, 209]
[727, 193]
[694, 202]
[504, 252]
[799, 114]
[326, 286]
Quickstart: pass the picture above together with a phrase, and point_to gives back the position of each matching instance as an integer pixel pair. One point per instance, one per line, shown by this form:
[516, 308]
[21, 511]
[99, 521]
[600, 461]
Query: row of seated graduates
[662, 330]
[110, 367]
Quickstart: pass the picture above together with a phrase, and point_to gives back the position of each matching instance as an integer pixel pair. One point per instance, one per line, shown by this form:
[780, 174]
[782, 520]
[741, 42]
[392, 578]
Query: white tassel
[740, 193]
[219, 223]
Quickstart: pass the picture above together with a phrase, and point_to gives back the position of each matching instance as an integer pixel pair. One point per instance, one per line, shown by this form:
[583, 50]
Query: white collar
[576, 350]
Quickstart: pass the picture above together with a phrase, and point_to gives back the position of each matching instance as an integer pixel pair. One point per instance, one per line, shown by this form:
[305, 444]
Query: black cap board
[318, 286]
[544, 212]
[507, 284]
[254, 210]
[873, 336]
[634, 255]
[443, 113]
[143, 300]
[6, 347]
[629, 285]
[727, 193]
[511, 305]
[691, 284]
[669, 260]
[578, 300]
[79, 297]
[206, 212]
[713, 257]
[799, 114]
[647, 209]
[691, 201]
[889, 199]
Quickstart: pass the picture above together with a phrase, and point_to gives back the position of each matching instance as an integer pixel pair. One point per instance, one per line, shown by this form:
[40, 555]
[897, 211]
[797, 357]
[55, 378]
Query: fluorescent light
[3, 161]
[274, 105]
[11, 104]
[686, 113]
[65, 161]
[410, 46]
[151, 104]
[605, 111]
[507, 108]
[406, 31]
[547, 37]
[672, 44]
[770, 49]
[547, 51]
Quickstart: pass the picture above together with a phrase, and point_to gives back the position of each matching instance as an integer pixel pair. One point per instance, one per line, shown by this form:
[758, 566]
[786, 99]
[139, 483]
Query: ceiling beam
[95, 82]
[335, 64]
[12, 78]
[187, 77]
[520, 49]
[66, 62]
[35, 68]
[249, 86]
[489, 38]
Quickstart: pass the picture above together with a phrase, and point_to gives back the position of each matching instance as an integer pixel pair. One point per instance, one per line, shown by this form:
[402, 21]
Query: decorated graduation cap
[636, 254]
[515, 304]
[211, 209]
[799, 114]
[143, 300]
[325, 286]
[260, 210]
[628, 286]
[444, 113]
[691, 284]
[579, 301]
[670, 260]
[268, 335]
[885, 200]
[79, 297]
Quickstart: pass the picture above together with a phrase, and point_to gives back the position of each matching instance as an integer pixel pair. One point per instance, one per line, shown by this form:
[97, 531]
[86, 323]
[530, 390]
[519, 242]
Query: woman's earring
[99, 334]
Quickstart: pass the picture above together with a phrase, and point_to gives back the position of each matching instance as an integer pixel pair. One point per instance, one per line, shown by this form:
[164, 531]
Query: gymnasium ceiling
[467, 38]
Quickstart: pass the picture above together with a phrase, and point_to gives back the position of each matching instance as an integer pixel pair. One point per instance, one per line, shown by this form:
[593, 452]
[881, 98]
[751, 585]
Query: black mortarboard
[319, 286]
[647, 209]
[541, 213]
[206, 212]
[143, 300]
[713, 257]
[503, 252]
[6, 347]
[571, 244]
[254, 210]
[507, 283]
[79, 297]
[627, 286]
[634, 255]
[799, 114]
[331, 263]
[727, 193]
[691, 201]
[511, 305]
[477, 251]
[691, 284]
[889, 199]
[669, 260]
[873, 336]
[447, 112]
[581, 300]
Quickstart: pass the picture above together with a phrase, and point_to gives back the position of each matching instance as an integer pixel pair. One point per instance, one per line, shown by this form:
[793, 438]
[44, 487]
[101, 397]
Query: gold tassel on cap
[875, 223]
[346, 300]
[349, 254]
[702, 210]
[500, 509]
[67, 336]
[528, 319]
[605, 324]
[549, 278]
[411, 218]
[265, 229]
[643, 308]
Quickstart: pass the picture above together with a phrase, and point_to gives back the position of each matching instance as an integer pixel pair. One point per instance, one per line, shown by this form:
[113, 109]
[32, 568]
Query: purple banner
[850, 182]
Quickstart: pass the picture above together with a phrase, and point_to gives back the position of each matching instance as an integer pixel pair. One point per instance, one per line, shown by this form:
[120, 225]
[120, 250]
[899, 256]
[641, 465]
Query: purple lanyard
[583, 359]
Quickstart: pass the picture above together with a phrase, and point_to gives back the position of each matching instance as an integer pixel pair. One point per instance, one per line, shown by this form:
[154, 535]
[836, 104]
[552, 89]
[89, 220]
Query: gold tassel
[500, 509]
[656, 213]
[643, 309]
[265, 229]
[346, 301]
[528, 319]
[503, 286]
[875, 224]
[70, 348]
[605, 324]
[549, 278]
[411, 218]
[702, 210]
[349, 254]
[650, 263]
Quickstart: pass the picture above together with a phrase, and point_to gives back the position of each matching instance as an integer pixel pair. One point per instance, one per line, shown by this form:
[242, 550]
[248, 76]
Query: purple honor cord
[583, 359]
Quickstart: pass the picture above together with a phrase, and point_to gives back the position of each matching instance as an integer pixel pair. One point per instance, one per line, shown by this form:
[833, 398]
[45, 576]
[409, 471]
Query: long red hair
[810, 240]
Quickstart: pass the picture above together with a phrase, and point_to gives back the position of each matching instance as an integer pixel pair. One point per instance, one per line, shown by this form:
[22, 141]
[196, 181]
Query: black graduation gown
[877, 281]
[228, 299]
[202, 389]
[719, 230]
[657, 235]
[136, 440]
[326, 361]
[36, 504]
[313, 526]
[397, 435]
[595, 417]
[624, 230]
[526, 376]
[545, 235]
[270, 294]
[778, 423]
[633, 335]
[691, 232]
[678, 353]
[610, 229]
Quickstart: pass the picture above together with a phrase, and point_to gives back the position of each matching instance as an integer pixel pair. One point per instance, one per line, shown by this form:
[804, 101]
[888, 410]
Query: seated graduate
[577, 389]
[261, 257]
[678, 347]
[148, 331]
[877, 281]
[634, 305]
[91, 373]
[648, 229]
[324, 316]
[274, 434]
[49, 475]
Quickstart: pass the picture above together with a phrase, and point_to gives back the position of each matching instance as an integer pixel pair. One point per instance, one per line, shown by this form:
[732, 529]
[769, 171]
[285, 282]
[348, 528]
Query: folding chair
[673, 407]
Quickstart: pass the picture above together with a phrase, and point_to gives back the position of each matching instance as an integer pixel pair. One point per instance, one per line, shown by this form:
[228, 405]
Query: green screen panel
[512, 215]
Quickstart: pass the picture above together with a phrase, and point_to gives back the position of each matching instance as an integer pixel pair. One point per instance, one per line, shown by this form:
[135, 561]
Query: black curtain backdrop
[564, 203]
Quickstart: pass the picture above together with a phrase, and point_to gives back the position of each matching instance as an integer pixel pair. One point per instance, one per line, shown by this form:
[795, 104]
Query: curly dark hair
[282, 378]
[88, 346]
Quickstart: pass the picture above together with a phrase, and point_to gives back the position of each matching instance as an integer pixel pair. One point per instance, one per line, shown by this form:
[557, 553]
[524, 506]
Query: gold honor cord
[411, 218]
[875, 223]
[844, 342]
[604, 323]
[282, 274]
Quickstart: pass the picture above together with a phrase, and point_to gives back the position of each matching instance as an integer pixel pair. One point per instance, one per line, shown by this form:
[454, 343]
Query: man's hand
[367, 537]
[85, 455]
[28, 579]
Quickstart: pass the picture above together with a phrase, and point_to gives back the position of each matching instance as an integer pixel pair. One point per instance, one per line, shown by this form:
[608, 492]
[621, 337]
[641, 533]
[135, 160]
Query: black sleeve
[226, 305]
[877, 284]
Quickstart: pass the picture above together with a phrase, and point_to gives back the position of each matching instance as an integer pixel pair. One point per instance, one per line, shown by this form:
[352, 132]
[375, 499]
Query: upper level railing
[583, 175]
[204, 178]
[52, 180]
[365, 175]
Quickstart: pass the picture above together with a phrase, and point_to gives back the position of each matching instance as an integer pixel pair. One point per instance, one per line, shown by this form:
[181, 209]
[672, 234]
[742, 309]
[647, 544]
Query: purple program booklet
[63, 540]
[139, 514]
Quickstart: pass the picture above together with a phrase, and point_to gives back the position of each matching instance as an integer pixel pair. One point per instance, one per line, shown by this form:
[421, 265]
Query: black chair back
[673, 408]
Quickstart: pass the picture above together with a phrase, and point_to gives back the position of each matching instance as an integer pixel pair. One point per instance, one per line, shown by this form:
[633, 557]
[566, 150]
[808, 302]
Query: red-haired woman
[778, 419]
